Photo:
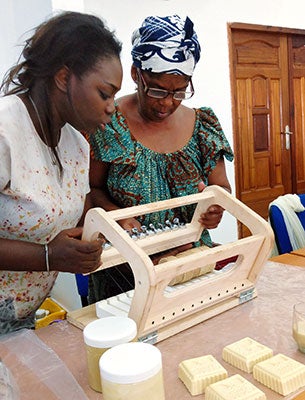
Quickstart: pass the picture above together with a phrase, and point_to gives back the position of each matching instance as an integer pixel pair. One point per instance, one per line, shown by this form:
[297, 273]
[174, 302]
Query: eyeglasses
[162, 94]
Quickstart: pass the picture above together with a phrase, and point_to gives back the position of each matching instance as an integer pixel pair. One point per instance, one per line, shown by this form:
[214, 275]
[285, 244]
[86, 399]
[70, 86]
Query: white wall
[65, 292]
[17, 18]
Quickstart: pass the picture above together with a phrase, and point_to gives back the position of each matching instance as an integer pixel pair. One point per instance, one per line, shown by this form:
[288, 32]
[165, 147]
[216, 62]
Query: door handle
[287, 134]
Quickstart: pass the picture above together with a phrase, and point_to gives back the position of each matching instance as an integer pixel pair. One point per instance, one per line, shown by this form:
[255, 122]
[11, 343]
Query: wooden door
[268, 82]
[296, 45]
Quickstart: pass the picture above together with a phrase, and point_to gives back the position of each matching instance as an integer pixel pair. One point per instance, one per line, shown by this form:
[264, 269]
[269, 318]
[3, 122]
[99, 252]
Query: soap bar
[281, 374]
[198, 373]
[235, 387]
[245, 353]
[190, 274]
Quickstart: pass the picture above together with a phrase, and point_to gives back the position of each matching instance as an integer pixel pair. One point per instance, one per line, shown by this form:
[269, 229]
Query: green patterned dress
[138, 175]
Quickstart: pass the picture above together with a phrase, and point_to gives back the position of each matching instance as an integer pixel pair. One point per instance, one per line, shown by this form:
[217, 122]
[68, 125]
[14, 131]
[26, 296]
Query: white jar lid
[130, 363]
[109, 331]
[40, 313]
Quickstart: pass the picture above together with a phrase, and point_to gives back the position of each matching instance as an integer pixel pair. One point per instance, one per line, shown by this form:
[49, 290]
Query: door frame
[267, 29]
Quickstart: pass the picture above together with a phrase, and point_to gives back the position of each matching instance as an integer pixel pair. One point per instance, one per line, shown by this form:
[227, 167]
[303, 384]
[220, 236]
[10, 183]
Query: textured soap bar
[198, 373]
[245, 353]
[281, 374]
[235, 387]
[190, 274]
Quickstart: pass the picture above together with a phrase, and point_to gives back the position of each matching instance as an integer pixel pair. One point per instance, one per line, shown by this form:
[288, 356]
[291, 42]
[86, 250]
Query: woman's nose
[168, 100]
[110, 107]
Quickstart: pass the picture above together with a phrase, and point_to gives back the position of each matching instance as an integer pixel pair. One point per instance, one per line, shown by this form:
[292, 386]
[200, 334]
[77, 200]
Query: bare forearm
[66, 253]
[219, 176]
[17, 255]
[101, 198]
[227, 187]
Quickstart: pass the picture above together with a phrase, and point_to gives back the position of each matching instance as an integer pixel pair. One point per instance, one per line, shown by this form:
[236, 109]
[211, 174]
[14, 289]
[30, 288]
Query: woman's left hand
[211, 218]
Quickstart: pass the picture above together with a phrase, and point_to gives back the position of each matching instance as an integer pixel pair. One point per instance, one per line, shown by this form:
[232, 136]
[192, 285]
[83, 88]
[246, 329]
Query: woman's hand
[212, 217]
[130, 223]
[67, 253]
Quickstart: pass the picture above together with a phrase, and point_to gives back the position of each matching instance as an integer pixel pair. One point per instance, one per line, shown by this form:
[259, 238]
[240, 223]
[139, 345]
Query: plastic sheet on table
[37, 369]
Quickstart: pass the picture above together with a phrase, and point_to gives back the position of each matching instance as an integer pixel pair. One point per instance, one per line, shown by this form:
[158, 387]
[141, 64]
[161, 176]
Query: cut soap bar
[235, 387]
[281, 374]
[198, 373]
[245, 353]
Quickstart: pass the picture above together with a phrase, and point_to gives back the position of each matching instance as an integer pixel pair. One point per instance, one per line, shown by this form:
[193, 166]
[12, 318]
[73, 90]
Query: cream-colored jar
[101, 335]
[132, 371]
[298, 328]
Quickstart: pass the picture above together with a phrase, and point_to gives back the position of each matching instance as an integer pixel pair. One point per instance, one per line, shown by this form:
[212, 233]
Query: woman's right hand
[68, 253]
[130, 223]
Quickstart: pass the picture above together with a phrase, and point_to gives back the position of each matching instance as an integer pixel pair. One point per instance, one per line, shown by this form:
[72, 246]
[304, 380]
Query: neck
[38, 115]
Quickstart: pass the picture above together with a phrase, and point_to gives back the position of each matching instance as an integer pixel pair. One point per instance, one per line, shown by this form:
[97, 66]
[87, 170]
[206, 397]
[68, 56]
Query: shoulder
[207, 117]
[11, 105]
[71, 136]
[6, 101]
[14, 119]
[210, 135]
[113, 142]
[125, 102]
[187, 112]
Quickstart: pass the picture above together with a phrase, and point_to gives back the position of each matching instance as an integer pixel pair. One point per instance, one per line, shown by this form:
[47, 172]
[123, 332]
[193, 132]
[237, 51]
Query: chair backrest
[279, 227]
[82, 287]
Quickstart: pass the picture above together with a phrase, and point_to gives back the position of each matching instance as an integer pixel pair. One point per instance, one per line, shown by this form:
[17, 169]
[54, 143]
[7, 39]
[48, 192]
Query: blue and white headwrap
[166, 45]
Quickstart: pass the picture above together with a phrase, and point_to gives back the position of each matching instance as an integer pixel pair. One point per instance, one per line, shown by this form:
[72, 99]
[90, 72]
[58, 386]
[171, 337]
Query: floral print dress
[139, 175]
[35, 204]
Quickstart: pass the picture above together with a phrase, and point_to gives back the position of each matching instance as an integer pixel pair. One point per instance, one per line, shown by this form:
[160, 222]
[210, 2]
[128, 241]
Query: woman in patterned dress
[156, 148]
[44, 159]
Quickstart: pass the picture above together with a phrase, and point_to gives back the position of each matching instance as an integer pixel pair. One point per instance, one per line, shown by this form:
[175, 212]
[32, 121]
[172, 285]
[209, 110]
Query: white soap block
[198, 373]
[235, 387]
[281, 374]
[245, 353]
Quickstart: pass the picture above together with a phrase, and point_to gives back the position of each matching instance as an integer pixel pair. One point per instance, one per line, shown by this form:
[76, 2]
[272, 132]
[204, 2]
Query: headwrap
[166, 45]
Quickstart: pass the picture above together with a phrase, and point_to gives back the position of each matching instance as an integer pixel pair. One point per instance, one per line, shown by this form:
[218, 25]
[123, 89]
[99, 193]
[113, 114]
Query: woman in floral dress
[156, 148]
[44, 159]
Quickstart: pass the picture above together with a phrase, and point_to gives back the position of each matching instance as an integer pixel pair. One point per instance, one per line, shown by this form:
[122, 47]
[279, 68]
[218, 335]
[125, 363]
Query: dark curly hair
[75, 40]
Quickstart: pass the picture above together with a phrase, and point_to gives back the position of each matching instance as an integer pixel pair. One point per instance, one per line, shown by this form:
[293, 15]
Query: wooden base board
[80, 318]
[193, 319]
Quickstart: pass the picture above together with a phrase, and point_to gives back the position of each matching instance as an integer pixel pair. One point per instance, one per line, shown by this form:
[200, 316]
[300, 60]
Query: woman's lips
[162, 115]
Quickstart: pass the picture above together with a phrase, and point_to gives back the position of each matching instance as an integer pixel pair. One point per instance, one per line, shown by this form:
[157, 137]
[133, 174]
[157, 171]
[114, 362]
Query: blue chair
[82, 282]
[279, 227]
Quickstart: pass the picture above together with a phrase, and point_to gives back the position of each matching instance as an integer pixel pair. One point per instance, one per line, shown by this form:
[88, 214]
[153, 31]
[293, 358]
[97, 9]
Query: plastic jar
[99, 336]
[132, 371]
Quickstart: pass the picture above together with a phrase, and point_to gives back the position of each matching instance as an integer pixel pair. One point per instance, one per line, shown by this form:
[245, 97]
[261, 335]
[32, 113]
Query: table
[267, 319]
[296, 258]
[299, 252]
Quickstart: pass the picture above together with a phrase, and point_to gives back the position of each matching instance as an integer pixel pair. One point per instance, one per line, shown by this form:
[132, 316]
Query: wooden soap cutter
[158, 312]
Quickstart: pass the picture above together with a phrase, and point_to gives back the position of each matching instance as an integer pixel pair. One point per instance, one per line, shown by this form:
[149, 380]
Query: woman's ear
[61, 78]
[134, 74]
